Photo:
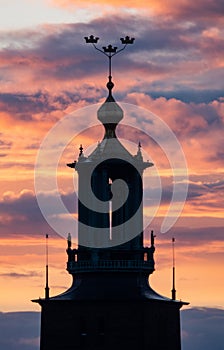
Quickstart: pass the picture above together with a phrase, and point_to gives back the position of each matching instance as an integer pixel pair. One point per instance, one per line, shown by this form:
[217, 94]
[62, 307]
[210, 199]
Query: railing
[77, 266]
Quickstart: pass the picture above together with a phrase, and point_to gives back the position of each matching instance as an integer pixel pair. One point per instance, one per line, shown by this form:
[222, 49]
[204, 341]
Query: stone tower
[110, 304]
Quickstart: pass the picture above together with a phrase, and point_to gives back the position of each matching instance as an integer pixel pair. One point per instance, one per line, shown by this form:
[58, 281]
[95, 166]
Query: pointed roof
[110, 114]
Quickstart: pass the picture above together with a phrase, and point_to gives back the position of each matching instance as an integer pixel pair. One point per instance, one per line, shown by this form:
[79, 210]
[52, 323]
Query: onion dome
[110, 113]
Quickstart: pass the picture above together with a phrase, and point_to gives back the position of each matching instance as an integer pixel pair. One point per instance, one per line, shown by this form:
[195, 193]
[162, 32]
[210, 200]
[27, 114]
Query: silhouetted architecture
[110, 304]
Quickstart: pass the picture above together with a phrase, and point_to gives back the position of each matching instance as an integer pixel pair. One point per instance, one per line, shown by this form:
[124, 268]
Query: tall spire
[110, 114]
[173, 286]
[47, 289]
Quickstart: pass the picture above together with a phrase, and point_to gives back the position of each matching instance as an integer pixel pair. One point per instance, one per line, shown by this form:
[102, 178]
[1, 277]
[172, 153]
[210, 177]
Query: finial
[109, 51]
[139, 152]
[110, 85]
[152, 238]
[127, 40]
[80, 151]
[91, 39]
[69, 240]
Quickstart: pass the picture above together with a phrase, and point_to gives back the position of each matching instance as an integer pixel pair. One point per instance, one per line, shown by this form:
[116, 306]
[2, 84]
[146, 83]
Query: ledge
[110, 265]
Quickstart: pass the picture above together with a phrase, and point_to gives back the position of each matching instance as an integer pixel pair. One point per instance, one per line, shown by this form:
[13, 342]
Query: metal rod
[110, 76]
[173, 289]
[47, 289]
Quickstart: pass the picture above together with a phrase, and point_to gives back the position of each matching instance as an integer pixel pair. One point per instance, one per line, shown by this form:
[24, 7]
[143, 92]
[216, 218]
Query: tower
[110, 304]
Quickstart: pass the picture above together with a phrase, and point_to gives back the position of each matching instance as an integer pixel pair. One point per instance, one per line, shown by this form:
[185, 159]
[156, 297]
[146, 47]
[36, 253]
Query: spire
[81, 154]
[173, 289]
[47, 289]
[139, 152]
[110, 113]
[109, 51]
[80, 151]
[69, 241]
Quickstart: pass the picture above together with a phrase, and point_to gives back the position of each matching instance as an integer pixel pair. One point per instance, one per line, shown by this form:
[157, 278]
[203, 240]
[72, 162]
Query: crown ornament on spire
[109, 51]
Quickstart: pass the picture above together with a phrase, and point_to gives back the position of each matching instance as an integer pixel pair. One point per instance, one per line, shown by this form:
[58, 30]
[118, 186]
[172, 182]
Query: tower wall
[110, 304]
[113, 325]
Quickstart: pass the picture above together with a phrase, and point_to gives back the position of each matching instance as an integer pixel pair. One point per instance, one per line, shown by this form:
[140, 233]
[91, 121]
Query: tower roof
[110, 114]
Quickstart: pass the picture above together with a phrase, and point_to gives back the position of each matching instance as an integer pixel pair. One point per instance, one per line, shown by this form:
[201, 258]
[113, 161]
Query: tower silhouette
[110, 304]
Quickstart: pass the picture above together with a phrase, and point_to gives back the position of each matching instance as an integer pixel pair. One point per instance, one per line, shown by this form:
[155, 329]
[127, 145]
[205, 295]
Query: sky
[174, 70]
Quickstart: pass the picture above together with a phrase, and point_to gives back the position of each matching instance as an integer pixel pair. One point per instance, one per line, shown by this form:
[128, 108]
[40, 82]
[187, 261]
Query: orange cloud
[175, 72]
[202, 9]
[23, 269]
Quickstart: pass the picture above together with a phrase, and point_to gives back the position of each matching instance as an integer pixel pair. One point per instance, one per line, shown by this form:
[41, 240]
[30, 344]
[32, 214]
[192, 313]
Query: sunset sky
[175, 70]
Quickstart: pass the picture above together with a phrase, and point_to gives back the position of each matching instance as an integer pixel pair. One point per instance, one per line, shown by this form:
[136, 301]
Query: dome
[110, 112]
